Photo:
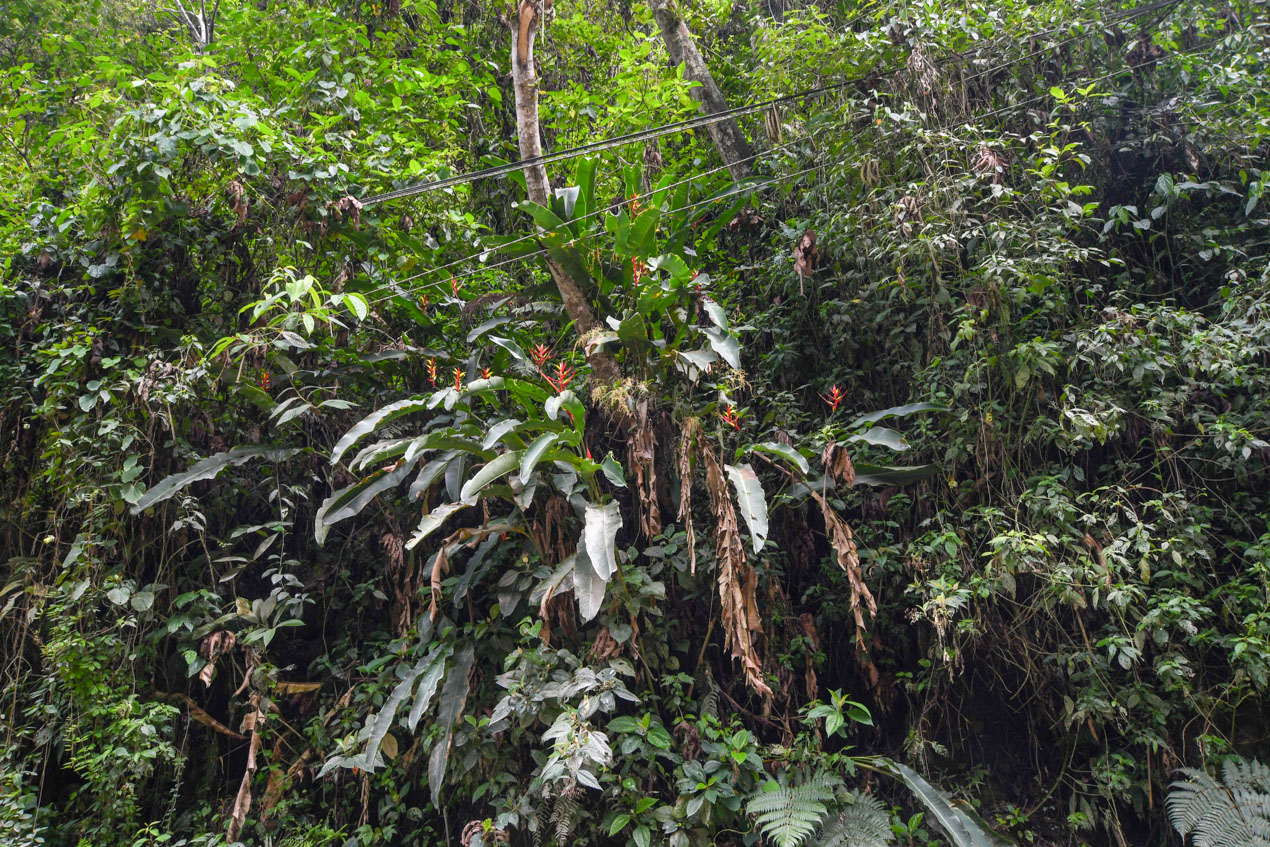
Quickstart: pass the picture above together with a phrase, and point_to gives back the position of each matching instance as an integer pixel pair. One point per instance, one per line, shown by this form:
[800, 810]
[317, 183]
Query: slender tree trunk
[727, 136]
[525, 83]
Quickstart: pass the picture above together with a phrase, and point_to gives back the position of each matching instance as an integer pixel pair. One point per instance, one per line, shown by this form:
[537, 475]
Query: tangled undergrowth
[929, 504]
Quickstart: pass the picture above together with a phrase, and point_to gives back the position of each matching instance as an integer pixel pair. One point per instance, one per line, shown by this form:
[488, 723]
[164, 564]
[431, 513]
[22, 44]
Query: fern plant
[789, 814]
[860, 822]
[1234, 812]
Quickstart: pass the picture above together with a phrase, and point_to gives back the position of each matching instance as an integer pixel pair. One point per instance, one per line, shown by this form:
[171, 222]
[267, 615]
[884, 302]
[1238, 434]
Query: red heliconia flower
[264, 381]
[458, 379]
[432, 370]
[637, 270]
[486, 373]
[454, 286]
[540, 354]
[731, 418]
[636, 206]
[834, 398]
[588, 454]
[424, 302]
[563, 376]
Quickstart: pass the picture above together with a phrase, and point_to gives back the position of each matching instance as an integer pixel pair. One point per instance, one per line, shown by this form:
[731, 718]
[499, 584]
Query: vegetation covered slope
[932, 453]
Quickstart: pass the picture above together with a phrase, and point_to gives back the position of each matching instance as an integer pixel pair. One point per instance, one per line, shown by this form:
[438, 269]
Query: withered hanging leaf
[838, 464]
[242, 801]
[843, 542]
[691, 427]
[738, 584]
[210, 648]
[641, 453]
[806, 255]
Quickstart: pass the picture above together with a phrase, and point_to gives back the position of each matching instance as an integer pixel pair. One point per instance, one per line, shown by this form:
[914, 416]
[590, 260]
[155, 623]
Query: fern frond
[708, 703]
[862, 822]
[564, 814]
[1213, 814]
[789, 814]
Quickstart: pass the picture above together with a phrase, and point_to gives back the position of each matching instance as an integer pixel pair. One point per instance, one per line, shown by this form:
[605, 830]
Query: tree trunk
[525, 83]
[727, 136]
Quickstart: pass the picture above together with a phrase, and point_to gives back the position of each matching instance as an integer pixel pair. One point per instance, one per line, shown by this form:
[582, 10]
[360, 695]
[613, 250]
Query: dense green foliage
[939, 456]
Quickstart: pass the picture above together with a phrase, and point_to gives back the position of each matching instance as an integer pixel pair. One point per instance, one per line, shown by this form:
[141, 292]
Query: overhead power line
[713, 200]
[716, 117]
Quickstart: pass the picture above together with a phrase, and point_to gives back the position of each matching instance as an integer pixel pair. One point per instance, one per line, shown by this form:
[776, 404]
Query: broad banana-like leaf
[453, 697]
[588, 588]
[782, 451]
[897, 412]
[725, 345]
[880, 436]
[749, 496]
[534, 453]
[208, 468]
[502, 465]
[349, 501]
[961, 829]
[599, 537]
[375, 420]
[432, 521]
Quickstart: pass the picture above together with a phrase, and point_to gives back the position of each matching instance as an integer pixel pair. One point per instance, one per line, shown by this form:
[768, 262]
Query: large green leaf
[749, 496]
[349, 501]
[783, 451]
[534, 453]
[880, 436]
[503, 464]
[431, 473]
[588, 588]
[432, 521]
[897, 412]
[431, 677]
[961, 829]
[885, 475]
[726, 345]
[599, 537]
[208, 468]
[374, 420]
[453, 698]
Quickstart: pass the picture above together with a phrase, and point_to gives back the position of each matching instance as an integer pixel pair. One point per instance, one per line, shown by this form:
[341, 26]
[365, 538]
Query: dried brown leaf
[691, 428]
[641, 453]
[838, 464]
[738, 584]
[210, 648]
[242, 802]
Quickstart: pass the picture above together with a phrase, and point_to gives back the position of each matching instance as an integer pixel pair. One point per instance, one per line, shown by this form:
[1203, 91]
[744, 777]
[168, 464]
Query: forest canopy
[597, 422]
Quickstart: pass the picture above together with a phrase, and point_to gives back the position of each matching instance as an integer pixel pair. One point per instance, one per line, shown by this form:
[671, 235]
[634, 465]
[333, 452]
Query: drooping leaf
[726, 345]
[432, 521]
[430, 473]
[896, 412]
[485, 327]
[534, 453]
[749, 496]
[599, 537]
[886, 475]
[453, 698]
[880, 436]
[782, 451]
[502, 465]
[613, 471]
[588, 588]
[960, 828]
[375, 420]
[350, 501]
[430, 678]
[208, 468]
